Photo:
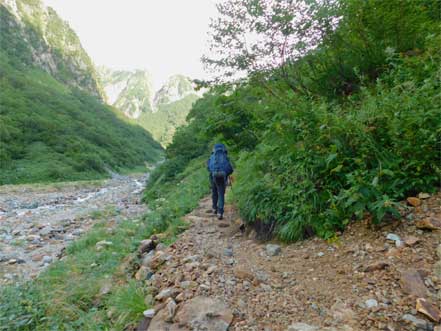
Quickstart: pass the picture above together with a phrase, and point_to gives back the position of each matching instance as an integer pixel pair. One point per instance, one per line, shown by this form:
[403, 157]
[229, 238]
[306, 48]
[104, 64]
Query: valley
[329, 112]
[159, 112]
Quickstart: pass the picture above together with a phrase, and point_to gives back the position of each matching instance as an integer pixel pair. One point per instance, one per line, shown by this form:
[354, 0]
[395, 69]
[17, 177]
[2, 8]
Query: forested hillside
[163, 123]
[34, 35]
[53, 124]
[338, 119]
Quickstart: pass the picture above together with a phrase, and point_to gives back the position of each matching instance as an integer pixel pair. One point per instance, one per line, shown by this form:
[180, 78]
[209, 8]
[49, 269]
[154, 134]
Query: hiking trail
[216, 278]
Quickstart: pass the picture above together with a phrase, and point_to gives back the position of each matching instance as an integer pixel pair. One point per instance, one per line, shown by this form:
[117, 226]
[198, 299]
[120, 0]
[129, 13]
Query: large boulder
[412, 283]
[203, 313]
[197, 314]
[146, 246]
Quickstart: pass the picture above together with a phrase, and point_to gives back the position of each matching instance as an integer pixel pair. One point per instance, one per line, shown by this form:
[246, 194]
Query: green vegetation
[337, 128]
[159, 113]
[50, 131]
[129, 91]
[70, 294]
[343, 128]
[163, 123]
[43, 39]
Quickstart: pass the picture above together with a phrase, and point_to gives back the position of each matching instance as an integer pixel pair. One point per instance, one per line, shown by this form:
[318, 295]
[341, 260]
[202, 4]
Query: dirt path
[360, 281]
[38, 221]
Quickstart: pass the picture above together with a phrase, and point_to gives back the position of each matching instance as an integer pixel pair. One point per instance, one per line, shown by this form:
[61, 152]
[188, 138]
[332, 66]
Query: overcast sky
[165, 37]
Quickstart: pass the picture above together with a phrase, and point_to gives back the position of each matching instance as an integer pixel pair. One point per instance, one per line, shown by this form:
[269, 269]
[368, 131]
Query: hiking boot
[220, 217]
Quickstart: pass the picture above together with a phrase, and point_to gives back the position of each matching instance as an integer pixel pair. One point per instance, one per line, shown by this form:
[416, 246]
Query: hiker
[219, 168]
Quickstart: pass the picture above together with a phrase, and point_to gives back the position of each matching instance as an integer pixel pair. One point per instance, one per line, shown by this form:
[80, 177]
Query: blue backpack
[219, 165]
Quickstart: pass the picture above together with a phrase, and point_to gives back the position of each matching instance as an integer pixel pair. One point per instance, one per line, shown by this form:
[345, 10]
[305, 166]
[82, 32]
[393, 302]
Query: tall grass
[67, 295]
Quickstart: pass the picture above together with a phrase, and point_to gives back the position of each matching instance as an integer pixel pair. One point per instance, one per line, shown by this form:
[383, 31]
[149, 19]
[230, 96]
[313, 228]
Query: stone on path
[47, 259]
[429, 223]
[412, 283]
[148, 258]
[199, 313]
[242, 273]
[144, 324]
[159, 258]
[149, 313]
[428, 309]
[376, 266]
[302, 327]
[205, 313]
[228, 252]
[341, 312]
[142, 273]
[414, 201]
[371, 303]
[167, 293]
[273, 250]
[423, 195]
[146, 246]
[411, 240]
[171, 309]
[46, 230]
[420, 324]
[395, 238]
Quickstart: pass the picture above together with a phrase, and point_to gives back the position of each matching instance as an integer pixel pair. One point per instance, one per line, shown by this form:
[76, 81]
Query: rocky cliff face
[159, 113]
[176, 88]
[35, 35]
[130, 91]
[133, 92]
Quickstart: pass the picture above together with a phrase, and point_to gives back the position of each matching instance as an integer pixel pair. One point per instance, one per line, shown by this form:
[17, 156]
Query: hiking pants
[218, 193]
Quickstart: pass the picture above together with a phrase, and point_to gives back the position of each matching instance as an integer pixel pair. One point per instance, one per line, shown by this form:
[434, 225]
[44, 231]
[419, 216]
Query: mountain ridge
[159, 112]
[54, 125]
[52, 44]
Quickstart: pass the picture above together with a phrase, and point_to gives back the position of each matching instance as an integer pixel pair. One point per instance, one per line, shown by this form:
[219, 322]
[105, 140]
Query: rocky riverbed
[38, 221]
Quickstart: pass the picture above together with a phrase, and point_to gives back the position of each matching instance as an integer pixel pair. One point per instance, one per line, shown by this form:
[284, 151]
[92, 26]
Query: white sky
[165, 37]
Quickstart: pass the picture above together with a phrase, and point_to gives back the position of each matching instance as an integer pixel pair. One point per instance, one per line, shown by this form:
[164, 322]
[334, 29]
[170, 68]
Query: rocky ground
[216, 278]
[38, 221]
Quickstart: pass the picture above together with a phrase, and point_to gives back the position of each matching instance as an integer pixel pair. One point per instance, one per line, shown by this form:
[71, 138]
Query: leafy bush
[324, 165]
[342, 133]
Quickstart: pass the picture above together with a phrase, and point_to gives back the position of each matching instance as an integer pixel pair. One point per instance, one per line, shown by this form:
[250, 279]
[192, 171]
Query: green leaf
[337, 168]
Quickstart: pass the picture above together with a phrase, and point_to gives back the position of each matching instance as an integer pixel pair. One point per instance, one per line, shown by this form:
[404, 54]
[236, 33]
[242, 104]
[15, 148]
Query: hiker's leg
[221, 192]
[214, 195]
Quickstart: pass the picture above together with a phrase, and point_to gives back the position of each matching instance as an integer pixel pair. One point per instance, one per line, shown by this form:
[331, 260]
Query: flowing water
[38, 221]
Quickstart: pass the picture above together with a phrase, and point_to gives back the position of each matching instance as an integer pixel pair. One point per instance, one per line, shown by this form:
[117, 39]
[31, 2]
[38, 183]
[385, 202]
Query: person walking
[219, 168]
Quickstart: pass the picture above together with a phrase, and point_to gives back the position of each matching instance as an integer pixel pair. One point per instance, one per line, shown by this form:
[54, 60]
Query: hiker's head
[220, 147]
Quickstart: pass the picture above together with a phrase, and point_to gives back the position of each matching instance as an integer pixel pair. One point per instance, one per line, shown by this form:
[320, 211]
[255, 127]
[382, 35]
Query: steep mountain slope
[160, 113]
[35, 35]
[176, 88]
[163, 123]
[53, 126]
[172, 104]
[130, 91]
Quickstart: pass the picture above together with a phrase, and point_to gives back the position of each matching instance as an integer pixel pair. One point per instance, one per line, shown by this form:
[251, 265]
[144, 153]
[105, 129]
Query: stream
[38, 221]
